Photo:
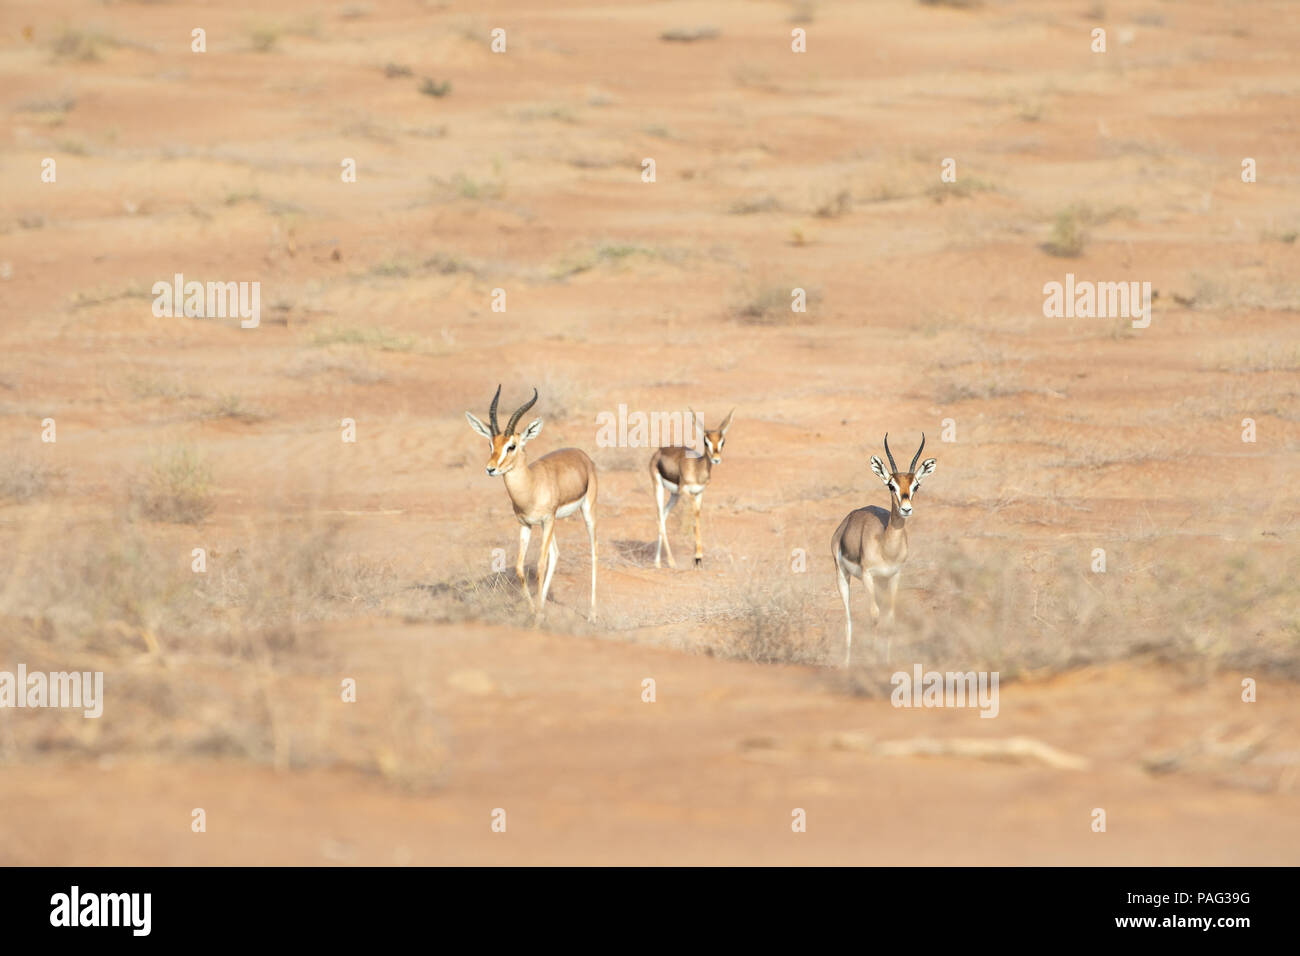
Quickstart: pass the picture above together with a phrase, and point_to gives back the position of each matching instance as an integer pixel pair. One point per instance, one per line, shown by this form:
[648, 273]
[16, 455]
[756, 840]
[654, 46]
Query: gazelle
[871, 543]
[681, 470]
[555, 486]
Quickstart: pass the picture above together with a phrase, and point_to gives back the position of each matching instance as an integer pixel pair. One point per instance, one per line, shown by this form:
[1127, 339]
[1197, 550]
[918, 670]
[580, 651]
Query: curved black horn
[918, 453]
[892, 466]
[492, 412]
[514, 419]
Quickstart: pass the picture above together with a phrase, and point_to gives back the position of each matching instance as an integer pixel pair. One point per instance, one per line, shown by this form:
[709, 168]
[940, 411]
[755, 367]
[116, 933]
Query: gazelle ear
[726, 423]
[479, 427]
[532, 431]
[926, 469]
[878, 469]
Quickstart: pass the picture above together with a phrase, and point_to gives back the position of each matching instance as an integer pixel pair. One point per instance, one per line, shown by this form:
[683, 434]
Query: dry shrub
[210, 663]
[772, 621]
[177, 488]
[690, 34]
[974, 607]
[87, 46]
[491, 598]
[1069, 235]
[832, 204]
[111, 587]
[771, 305]
[1047, 612]
[342, 363]
[23, 478]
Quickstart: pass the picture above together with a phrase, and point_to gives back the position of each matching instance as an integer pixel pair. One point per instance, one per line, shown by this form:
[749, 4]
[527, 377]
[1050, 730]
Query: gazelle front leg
[870, 584]
[889, 620]
[525, 533]
[893, 599]
[848, 614]
[662, 542]
[697, 501]
[547, 559]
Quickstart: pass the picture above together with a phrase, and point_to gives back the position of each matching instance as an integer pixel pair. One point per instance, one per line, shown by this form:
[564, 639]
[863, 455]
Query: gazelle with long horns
[682, 471]
[554, 486]
[871, 543]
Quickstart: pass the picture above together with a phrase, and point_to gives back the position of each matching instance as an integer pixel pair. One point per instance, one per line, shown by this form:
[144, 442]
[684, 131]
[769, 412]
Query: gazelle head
[507, 447]
[713, 440]
[902, 484]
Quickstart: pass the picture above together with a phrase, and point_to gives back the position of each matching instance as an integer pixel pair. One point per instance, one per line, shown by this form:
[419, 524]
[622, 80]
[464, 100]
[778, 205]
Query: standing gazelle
[554, 486]
[872, 543]
[682, 470]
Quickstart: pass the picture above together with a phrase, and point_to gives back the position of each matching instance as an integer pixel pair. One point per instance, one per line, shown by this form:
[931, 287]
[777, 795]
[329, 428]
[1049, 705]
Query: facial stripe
[503, 448]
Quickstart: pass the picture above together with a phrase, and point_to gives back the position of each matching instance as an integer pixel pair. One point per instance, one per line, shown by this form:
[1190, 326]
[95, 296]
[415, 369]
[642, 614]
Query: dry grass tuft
[382, 340]
[213, 663]
[176, 488]
[833, 204]
[1068, 236]
[345, 364]
[23, 478]
[86, 46]
[771, 623]
[232, 406]
[690, 34]
[431, 87]
[772, 305]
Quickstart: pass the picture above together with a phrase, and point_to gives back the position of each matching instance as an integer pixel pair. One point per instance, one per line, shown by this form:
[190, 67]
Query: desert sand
[519, 175]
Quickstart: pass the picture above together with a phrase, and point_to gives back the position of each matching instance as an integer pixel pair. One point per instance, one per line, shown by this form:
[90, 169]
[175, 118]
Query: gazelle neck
[896, 518]
[519, 481]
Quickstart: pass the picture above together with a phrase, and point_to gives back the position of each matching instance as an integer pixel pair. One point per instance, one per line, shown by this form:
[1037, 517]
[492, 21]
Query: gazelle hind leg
[889, 619]
[663, 528]
[589, 516]
[668, 547]
[870, 584]
[545, 565]
[659, 524]
[848, 614]
[550, 568]
[662, 541]
[525, 533]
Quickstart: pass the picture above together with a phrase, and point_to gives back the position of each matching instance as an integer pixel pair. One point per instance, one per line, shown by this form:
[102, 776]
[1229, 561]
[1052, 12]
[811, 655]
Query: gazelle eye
[511, 447]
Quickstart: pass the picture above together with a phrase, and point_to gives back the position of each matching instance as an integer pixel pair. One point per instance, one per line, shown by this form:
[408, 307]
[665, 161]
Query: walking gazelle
[871, 543]
[555, 486]
[680, 470]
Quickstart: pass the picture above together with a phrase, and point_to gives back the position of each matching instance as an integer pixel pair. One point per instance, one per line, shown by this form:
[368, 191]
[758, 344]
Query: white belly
[692, 489]
[566, 510]
[671, 486]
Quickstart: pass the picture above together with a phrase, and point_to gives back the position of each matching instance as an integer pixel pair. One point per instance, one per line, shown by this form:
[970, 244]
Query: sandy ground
[374, 560]
[553, 730]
